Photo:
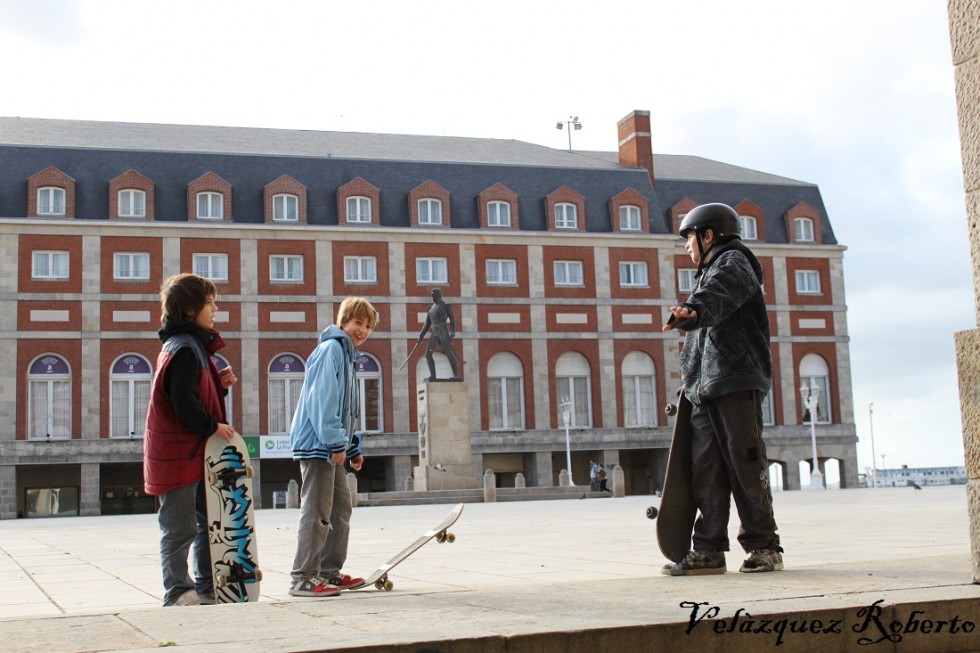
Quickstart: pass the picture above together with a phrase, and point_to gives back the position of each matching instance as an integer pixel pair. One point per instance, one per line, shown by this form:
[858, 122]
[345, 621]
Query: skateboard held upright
[379, 578]
[678, 512]
[231, 520]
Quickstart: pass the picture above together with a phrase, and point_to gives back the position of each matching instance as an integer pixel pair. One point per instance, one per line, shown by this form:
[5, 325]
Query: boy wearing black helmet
[726, 370]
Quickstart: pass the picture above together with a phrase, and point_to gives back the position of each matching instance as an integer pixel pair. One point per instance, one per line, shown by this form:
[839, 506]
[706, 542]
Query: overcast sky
[855, 96]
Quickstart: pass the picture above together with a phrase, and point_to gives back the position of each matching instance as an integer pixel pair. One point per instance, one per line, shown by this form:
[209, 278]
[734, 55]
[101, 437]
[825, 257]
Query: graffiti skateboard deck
[231, 520]
[678, 512]
[379, 578]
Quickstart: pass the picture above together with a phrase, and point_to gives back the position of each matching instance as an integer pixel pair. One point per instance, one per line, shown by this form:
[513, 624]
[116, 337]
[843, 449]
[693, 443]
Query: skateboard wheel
[670, 409]
[212, 478]
[652, 512]
[441, 537]
[388, 585]
[450, 537]
[221, 581]
[258, 575]
[249, 472]
[379, 584]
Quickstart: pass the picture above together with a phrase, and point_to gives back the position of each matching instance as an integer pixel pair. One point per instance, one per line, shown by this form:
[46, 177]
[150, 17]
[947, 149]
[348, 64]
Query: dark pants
[729, 461]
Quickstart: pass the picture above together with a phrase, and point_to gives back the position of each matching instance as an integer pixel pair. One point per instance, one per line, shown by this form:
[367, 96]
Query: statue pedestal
[445, 444]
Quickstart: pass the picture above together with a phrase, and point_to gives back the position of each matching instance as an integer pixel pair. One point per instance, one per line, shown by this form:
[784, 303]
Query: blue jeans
[184, 527]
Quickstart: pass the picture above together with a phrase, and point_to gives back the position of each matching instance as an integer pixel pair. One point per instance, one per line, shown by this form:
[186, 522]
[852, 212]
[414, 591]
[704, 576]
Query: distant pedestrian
[593, 476]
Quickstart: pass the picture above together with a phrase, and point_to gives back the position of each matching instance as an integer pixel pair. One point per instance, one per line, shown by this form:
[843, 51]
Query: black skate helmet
[720, 217]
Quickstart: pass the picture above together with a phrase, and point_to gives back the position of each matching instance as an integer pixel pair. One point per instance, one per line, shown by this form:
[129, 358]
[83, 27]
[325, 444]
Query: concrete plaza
[876, 570]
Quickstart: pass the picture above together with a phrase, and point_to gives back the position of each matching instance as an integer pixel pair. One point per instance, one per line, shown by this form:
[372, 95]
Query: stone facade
[964, 29]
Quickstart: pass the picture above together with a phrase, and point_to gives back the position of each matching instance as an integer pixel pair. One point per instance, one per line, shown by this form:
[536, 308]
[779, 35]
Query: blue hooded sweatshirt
[326, 413]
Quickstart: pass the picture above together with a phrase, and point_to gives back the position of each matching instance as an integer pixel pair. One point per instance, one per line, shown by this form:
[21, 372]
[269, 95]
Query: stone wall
[964, 30]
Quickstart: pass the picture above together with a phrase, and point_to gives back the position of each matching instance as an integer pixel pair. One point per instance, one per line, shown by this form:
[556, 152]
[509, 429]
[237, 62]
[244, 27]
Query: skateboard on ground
[379, 578]
[231, 520]
[678, 512]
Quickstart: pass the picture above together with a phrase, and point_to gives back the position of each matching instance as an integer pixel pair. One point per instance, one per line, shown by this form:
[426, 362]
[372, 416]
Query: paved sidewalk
[570, 575]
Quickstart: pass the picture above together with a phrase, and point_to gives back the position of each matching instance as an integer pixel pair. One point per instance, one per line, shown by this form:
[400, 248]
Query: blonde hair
[182, 296]
[357, 308]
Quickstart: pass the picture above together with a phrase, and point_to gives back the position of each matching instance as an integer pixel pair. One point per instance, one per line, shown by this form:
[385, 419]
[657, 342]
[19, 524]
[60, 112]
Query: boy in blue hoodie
[322, 437]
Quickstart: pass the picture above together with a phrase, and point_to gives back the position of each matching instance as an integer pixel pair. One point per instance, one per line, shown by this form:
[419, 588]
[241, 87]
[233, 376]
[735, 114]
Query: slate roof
[93, 152]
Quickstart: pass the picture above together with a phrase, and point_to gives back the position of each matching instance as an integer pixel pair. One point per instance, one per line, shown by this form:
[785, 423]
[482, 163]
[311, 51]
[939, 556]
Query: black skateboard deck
[678, 512]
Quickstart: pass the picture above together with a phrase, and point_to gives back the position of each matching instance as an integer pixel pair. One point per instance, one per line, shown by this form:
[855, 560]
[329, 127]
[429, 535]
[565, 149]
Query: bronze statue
[440, 323]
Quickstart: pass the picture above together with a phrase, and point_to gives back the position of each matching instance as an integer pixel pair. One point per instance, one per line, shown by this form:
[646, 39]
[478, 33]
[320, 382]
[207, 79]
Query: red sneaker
[313, 587]
[345, 582]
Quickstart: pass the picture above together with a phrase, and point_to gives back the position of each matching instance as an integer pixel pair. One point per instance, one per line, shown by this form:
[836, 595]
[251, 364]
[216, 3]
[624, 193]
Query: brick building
[560, 266]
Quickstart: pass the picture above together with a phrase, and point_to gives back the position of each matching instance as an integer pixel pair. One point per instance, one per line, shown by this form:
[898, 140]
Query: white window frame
[285, 207]
[50, 264]
[634, 274]
[569, 273]
[573, 383]
[51, 200]
[360, 269]
[748, 226]
[427, 270]
[686, 279]
[501, 272]
[131, 266]
[629, 218]
[768, 410]
[804, 229]
[211, 266]
[285, 268]
[430, 211]
[505, 393]
[359, 209]
[132, 203]
[374, 380]
[639, 390]
[284, 394]
[129, 396]
[49, 405]
[566, 216]
[808, 282]
[498, 214]
[210, 206]
[815, 372]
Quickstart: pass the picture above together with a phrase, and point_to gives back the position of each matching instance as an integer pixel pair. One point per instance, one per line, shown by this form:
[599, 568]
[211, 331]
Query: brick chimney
[635, 143]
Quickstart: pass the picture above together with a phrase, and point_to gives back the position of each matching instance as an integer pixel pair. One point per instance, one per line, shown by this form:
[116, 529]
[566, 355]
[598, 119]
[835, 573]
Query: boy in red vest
[186, 407]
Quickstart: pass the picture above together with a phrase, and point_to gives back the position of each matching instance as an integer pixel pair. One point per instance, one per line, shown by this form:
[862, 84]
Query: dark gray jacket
[726, 348]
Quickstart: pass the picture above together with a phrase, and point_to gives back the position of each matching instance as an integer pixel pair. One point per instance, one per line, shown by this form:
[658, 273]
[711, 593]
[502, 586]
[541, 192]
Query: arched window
[221, 363]
[639, 390]
[49, 398]
[498, 214]
[285, 208]
[573, 381]
[505, 392]
[566, 216]
[285, 382]
[804, 230]
[210, 206]
[50, 201]
[359, 209]
[814, 372]
[368, 374]
[748, 227]
[132, 203]
[129, 379]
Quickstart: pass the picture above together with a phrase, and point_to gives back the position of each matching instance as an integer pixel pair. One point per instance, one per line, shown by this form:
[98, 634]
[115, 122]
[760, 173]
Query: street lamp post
[571, 123]
[566, 416]
[871, 427]
[810, 398]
